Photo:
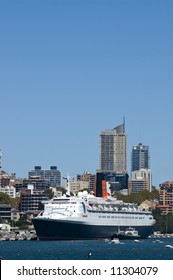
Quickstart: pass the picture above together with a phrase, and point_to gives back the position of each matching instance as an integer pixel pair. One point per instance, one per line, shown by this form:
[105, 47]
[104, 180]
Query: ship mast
[68, 185]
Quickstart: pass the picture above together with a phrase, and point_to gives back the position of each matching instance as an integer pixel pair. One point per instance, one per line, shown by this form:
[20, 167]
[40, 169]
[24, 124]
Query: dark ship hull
[52, 229]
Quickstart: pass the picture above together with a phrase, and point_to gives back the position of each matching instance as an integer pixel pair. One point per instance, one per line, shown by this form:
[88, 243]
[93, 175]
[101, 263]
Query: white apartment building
[10, 190]
[141, 180]
[76, 186]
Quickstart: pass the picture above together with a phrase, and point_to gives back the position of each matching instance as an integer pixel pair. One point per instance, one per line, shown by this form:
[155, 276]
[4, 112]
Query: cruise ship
[88, 217]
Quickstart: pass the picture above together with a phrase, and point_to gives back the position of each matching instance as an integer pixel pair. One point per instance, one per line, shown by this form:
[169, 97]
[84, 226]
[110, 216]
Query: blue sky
[70, 69]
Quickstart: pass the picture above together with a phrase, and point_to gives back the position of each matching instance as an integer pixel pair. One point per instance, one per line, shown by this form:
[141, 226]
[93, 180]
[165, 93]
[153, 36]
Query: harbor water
[148, 249]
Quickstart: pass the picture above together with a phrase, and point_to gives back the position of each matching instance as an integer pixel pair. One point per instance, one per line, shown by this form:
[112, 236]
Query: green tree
[23, 222]
[154, 194]
[4, 198]
[164, 223]
[138, 197]
[15, 202]
[49, 192]
[169, 223]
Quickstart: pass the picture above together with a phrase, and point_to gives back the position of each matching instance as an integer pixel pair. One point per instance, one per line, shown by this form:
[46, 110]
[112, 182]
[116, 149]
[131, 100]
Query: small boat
[107, 240]
[157, 241]
[169, 246]
[129, 233]
[136, 240]
[115, 241]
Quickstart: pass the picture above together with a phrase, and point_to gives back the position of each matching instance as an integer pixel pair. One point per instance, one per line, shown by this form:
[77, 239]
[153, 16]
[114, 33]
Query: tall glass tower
[113, 150]
[140, 157]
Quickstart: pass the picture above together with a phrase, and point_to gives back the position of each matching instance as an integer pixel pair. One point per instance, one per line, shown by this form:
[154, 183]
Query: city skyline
[140, 160]
[71, 69]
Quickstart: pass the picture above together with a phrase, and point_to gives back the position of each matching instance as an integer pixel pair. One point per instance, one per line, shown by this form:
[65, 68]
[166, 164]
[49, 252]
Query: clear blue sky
[71, 68]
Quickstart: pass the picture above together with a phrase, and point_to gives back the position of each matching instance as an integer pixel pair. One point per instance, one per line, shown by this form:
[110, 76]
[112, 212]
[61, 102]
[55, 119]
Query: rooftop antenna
[123, 124]
[140, 141]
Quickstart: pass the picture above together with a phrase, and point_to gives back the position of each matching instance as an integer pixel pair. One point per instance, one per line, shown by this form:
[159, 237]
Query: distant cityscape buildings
[141, 175]
[111, 177]
[113, 150]
[140, 180]
[30, 201]
[166, 197]
[85, 181]
[109, 182]
[53, 175]
[113, 164]
[89, 178]
[140, 157]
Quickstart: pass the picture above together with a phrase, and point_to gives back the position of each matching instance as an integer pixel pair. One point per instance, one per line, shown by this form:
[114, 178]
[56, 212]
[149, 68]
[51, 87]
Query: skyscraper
[113, 161]
[140, 168]
[140, 157]
[113, 150]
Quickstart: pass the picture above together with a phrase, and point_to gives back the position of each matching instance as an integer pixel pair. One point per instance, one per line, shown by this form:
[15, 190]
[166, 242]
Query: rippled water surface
[79, 250]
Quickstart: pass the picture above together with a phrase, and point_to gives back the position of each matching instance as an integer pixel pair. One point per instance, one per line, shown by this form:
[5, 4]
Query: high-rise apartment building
[30, 201]
[140, 157]
[53, 175]
[113, 150]
[112, 173]
[140, 168]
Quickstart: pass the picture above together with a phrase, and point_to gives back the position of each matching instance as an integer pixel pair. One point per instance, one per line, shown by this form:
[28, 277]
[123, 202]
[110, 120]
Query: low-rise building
[9, 190]
[15, 214]
[5, 228]
[166, 197]
[76, 186]
[30, 201]
[88, 177]
[38, 184]
[4, 178]
[5, 212]
[145, 175]
[137, 185]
